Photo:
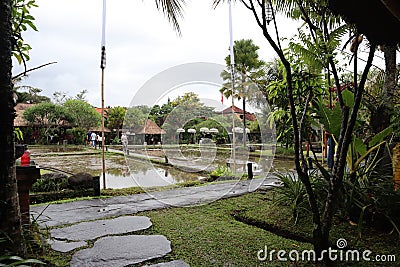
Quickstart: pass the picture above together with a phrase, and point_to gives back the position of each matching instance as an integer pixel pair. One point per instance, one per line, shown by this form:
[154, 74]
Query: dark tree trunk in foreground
[10, 219]
[380, 118]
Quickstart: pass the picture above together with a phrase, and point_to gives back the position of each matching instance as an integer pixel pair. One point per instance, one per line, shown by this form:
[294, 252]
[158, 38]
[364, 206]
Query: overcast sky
[140, 43]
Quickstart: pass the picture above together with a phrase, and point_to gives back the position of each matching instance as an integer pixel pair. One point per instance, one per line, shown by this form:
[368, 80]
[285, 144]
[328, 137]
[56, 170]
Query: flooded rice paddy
[121, 173]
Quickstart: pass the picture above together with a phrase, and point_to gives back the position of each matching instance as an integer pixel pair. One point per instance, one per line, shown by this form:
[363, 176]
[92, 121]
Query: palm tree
[248, 67]
[10, 223]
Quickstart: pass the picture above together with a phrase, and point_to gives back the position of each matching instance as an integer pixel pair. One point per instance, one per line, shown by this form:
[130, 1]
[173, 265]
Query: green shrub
[372, 199]
[50, 182]
[282, 151]
[43, 197]
[291, 193]
[79, 135]
[221, 171]
[116, 141]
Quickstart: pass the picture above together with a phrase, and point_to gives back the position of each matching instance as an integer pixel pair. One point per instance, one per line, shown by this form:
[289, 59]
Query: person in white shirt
[124, 141]
[93, 138]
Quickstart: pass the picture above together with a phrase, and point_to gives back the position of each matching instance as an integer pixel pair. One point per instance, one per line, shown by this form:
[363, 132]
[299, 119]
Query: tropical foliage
[22, 20]
[136, 117]
[83, 114]
[314, 94]
[115, 118]
[47, 115]
[30, 95]
[159, 114]
[187, 111]
[292, 193]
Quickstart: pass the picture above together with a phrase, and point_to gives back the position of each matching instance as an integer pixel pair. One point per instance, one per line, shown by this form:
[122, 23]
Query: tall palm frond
[173, 9]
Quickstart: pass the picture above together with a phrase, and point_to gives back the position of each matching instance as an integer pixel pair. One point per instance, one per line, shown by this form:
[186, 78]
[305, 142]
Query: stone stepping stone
[63, 246]
[176, 263]
[95, 229]
[122, 250]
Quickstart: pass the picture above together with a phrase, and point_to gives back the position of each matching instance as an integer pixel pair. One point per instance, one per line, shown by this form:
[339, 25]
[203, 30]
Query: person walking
[124, 140]
[88, 138]
[93, 138]
[100, 140]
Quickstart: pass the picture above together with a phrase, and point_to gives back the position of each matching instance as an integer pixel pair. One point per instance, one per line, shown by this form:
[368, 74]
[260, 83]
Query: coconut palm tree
[248, 67]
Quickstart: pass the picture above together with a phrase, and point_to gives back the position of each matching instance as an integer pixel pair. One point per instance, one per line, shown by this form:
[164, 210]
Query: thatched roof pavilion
[98, 129]
[150, 127]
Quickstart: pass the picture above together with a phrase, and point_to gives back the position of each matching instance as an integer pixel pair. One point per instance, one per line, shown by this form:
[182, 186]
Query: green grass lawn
[209, 235]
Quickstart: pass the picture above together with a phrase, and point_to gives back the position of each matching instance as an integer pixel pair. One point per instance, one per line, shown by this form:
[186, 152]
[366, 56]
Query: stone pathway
[94, 209]
[122, 251]
[116, 244]
[92, 230]
[108, 222]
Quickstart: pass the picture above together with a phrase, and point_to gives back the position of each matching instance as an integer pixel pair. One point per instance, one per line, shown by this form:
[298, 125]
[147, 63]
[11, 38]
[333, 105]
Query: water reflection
[146, 174]
[118, 175]
[149, 179]
[140, 172]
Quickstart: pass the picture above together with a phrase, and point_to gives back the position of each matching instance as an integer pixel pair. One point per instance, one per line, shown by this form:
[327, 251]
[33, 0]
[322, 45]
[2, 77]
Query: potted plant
[19, 148]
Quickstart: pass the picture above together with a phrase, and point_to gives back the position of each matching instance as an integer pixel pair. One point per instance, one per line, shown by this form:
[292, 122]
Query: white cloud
[139, 43]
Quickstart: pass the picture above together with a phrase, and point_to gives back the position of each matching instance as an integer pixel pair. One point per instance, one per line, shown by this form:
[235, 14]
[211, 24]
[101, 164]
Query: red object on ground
[26, 158]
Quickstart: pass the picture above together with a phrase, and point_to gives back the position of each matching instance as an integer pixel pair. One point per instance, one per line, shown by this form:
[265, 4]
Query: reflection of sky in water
[145, 174]
[152, 177]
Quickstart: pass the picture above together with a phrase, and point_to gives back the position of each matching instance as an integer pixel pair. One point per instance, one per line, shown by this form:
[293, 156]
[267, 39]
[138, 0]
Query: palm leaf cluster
[173, 9]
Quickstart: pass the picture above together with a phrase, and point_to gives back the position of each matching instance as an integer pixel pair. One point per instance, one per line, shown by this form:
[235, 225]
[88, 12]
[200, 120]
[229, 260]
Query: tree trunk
[390, 82]
[380, 119]
[10, 222]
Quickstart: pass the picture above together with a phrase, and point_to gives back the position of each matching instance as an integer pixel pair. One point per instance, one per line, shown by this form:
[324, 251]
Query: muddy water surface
[139, 172]
[118, 174]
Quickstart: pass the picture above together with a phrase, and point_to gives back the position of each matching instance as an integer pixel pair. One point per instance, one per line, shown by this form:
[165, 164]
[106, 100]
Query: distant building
[32, 132]
[19, 110]
[151, 132]
[98, 110]
[238, 112]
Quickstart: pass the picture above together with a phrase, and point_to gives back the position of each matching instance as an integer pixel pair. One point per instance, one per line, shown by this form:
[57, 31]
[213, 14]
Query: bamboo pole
[103, 66]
